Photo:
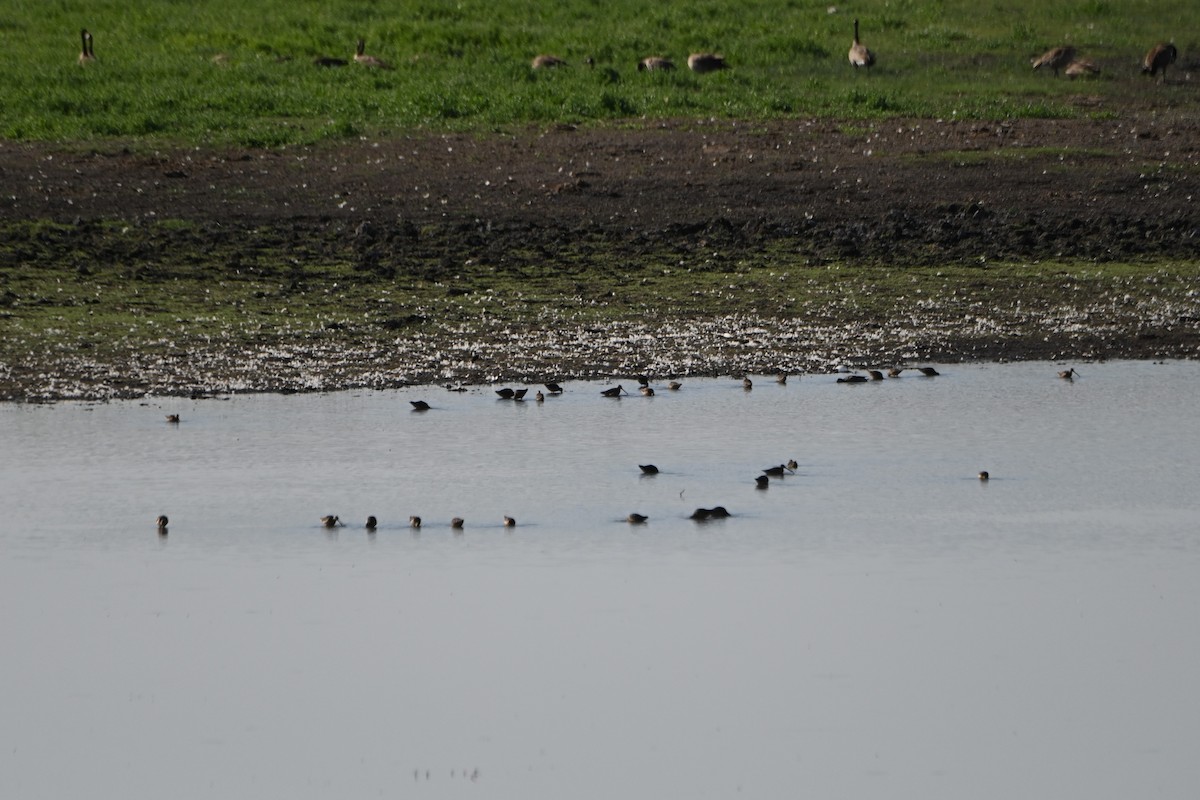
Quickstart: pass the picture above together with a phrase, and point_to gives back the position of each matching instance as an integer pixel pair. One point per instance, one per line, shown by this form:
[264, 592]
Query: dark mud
[593, 206]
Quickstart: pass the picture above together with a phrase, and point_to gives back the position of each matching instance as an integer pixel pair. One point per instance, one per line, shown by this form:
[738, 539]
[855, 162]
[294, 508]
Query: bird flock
[761, 482]
[1063, 59]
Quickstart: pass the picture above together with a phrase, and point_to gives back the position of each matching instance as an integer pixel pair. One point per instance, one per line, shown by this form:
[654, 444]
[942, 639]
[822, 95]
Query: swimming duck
[777, 472]
[762, 481]
[792, 465]
[456, 523]
[162, 522]
[173, 418]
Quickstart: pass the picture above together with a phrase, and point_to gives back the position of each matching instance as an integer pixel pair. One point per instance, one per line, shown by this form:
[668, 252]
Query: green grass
[465, 65]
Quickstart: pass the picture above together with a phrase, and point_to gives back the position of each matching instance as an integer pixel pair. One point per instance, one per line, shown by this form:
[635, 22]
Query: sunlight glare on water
[879, 624]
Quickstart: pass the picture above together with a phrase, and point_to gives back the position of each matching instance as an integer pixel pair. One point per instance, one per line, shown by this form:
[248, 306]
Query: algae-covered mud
[684, 248]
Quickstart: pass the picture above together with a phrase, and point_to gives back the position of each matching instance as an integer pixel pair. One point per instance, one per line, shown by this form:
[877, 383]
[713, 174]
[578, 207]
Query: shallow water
[880, 624]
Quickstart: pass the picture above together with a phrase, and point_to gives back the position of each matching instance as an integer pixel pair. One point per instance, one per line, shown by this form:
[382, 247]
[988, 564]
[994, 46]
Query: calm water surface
[879, 625]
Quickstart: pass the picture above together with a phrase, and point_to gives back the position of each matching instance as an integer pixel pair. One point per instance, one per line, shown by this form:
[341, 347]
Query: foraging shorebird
[781, 377]
[719, 512]
[414, 522]
[541, 398]
[553, 387]
[894, 372]
[1055, 59]
[88, 54]
[646, 391]
[614, 392]
[700, 513]
[792, 465]
[173, 418]
[548, 62]
[853, 379]
[419, 405]
[778, 472]
[674, 386]
[506, 394]
[456, 523]
[372, 523]
[643, 380]
[636, 519]
[1081, 67]
[162, 523]
[747, 384]
[519, 394]
[859, 55]
[648, 469]
[876, 375]
[762, 482]
[1159, 58]
[1068, 374]
[509, 522]
[331, 521]
[701, 63]
[928, 372]
[361, 57]
[653, 63]
[983, 476]
[330, 61]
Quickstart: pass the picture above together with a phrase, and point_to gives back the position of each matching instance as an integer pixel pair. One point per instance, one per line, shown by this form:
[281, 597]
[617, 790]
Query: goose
[1082, 67]
[700, 63]
[1055, 59]
[860, 56]
[331, 521]
[368, 61]
[648, 469]
[636, 519]
[372, 523]
[614, 392]
[88, 53]
[653, 63]
[548, 62]
[419, 405]
[414, 522]
[509, 522]
[1068, 374]
[1159, 57]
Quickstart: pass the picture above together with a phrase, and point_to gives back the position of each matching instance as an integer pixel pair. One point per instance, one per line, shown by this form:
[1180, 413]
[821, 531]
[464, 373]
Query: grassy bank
[226, 71]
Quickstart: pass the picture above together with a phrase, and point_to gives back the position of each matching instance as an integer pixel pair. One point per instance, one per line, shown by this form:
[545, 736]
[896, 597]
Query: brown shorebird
[509, 522]
[414, 522]
[654, 63]
[701, 63]
[331, 521]
[1055, 59]
[361, 57]
[614, 392]
[1159, 58]
[674, 386]
[636, 519]
[1068, 374]
[646, 391]
[548, 62]
[456, 523]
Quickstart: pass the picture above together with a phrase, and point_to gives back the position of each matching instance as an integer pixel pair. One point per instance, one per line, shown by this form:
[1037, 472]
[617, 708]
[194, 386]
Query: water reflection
[877, 621]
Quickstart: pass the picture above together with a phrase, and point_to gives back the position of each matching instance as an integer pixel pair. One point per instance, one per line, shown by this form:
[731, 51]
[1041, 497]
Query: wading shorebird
[928, 372]
[646, 391]
[648, 469]
[655, 63]
[762, 482]
[547, 62]
[1068, 374]
[361, 57]
[983, 476]
[509, 522]
[414, 522]
[162, 523]
[778, 472]
[372, 523]
[894, 372]
[853, 379]
[1159, 58]
[674, 386]
[636, 519]
[88, 54]
[700, 63]
[331, 521]
[553, 388]
[792, 465]
[419, 405]
[614, 392]
[860, 56]
[1055, 59]
[456, 523]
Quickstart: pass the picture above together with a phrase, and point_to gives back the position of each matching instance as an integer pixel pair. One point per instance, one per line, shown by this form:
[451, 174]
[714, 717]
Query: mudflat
[684, 247]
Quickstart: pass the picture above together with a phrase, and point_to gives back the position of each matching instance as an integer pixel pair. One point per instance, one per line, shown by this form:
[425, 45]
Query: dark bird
[983, 476]
[614, 392]
[876, 375]
[792, 465]
[860, 56]
[719, 512]
[1159, 58]
[419, 405]
[554, 388]
[928, 372]
[781, 377]
[330, 61]
[762, 481]
[853, 379]
[509, 522]
[1055, 59]
[701, 63]
[414, 522]
[506, 393]
[648, 469]
[1068, 374]
[777, 472]
[643, 380]
[372, 523]
[361, 57]
[646, 391]
[173, 418]
[456, 523]
[548, 62]
[519, 394]
[700, 513]
[636, 519]
[654, 63]
[88, 53]
[747, 384]
[331, 521]
[162, 523]
[1082, 68]
[674, 386]
[539, 397]
[894, 372]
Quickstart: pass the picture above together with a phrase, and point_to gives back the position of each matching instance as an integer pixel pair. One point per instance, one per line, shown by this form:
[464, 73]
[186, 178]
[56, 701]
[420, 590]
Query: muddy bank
[563, 253]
